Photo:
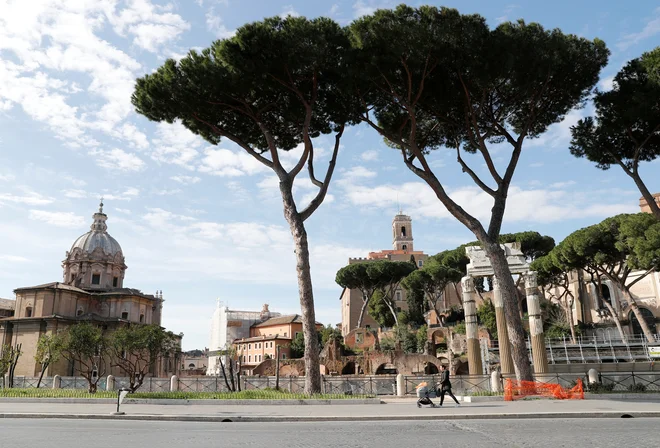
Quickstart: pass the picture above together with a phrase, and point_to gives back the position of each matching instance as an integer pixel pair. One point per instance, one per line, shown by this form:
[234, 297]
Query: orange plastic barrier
[515, 390]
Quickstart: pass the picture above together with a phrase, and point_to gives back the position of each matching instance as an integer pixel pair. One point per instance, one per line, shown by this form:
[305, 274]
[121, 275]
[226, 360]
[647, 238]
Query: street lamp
[121, 394]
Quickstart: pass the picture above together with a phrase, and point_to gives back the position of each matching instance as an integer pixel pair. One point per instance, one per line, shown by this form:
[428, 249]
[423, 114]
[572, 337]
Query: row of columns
[535, 326]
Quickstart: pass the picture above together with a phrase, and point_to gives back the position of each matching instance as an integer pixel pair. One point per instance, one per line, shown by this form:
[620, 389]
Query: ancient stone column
[471, 327]
[57, 382]
[506, 362]
[174, 383]
[535, 323]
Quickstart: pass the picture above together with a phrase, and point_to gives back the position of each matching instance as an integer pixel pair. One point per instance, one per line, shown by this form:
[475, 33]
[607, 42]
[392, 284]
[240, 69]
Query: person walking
[445, 386]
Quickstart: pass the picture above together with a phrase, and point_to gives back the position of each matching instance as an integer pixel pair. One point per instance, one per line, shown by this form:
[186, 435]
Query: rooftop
[282, 320]
[112, 292]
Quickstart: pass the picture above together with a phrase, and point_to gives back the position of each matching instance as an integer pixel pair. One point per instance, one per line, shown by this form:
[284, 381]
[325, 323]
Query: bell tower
[402, 236]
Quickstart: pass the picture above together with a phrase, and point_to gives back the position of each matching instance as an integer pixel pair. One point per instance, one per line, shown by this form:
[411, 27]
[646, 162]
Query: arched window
[141, 318]
[605, 294]
[648, 317]
[28, 311]
[404, 247]
[403, 231]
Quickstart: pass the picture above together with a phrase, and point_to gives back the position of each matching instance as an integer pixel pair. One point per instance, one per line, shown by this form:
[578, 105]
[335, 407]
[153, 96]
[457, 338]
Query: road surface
[536, 433]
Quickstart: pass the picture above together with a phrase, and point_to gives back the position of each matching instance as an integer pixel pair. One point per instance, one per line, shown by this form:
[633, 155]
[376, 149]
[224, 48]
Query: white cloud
[117, 159]
[175, 144]
[227, 163]
[150, 27]
[536, 164]
[334, 9]
[364, 8]
[534, 205]
[563, 184]
[51, 40]
[506, 14]
[289, 11]
[186, 180]
[606, 84]
[13, 258]
[7, 177]
[558, 135]
[370, 155]
[76, 194]
[125, 211]
[651, 28]
[167, 192]
[126, 195]
[215, 25]
[28, 198]
[59, 219]
[358, 172]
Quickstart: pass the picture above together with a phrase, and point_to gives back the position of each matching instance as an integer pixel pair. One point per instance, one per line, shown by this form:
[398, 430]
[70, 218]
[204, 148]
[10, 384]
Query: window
[283, 356]
[403, 231]
[259, 358]
[249, 346]
[404, 247]
[244, 358]
[284, 334]
[398, 296]
[141, 318]
[420, 263]
[249, 358]
[124, 315]
[398, 309]
[96, 279]
[28, 311]
[115, 281]
[79, 312]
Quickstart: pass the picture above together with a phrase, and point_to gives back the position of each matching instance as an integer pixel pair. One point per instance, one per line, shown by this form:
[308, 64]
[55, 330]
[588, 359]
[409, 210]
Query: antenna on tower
[398, 205]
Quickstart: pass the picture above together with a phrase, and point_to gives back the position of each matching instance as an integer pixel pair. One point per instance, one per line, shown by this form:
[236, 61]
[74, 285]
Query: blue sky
[202, 222]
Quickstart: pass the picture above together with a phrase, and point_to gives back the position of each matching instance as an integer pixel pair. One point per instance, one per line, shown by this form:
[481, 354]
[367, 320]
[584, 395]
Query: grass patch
[178, 395]
[483, 393]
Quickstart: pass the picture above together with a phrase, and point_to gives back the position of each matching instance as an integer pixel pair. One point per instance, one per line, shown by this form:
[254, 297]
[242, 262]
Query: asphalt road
[555, 433]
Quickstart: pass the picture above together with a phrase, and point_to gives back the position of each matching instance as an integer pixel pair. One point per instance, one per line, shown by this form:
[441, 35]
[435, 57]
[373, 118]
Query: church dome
[98, 237]
[93, 239]
[95, 261]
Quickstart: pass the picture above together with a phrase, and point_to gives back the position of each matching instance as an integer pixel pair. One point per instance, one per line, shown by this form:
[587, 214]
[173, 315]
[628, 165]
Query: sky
[204, 223]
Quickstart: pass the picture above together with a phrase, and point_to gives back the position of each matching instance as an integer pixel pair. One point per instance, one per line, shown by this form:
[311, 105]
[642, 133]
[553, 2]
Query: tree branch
[473, 175]
[320, 196]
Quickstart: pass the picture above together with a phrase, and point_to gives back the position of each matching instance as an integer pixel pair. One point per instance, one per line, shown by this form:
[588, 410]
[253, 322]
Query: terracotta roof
[261, 338]
[282, 320]
[64, 286]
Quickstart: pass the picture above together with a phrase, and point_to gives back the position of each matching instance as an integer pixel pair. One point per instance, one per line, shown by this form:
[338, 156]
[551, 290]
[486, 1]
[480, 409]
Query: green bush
[598, 388]
[460, 328]
[637, 388]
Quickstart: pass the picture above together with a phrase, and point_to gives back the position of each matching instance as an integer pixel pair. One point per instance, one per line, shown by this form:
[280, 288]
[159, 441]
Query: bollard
[400, 385]
[592, 375]
[110, 383]
[495, 381]
[174, 383]
[57, 382]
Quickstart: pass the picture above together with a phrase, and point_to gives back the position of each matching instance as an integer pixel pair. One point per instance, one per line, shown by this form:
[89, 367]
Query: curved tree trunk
[638, 314]
[509, 294]
[646, 194]
[44, 366]
[361, 317]
[598, 285]
[305, 291]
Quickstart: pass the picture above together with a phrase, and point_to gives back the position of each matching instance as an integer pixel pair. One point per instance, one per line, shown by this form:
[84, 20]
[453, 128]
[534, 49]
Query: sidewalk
[400, 410]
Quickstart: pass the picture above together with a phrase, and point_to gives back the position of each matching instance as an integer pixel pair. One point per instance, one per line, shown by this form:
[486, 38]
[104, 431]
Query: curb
[276, 419]
[151, 401]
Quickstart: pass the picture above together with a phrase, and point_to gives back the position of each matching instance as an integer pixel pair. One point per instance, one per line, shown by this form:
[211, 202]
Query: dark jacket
[445, 384]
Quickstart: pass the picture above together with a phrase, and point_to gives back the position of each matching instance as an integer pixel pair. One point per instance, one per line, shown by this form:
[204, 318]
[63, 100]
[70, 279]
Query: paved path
[540, 433]
[407, 409]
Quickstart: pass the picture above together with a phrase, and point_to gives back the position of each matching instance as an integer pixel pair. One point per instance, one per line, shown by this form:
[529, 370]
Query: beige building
[265, 337]
[590, 309]
[93, 291]
[402, 250]
[7, 307]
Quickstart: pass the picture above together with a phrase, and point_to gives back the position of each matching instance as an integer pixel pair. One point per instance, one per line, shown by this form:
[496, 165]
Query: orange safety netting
[514, 390]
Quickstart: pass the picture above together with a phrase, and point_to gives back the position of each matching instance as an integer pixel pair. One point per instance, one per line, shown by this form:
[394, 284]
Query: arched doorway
[430, 369]
[351, 369]
[648, 317]
[386, 369]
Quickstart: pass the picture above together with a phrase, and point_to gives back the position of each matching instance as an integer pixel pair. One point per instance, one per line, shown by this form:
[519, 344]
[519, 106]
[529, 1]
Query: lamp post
[121, 394]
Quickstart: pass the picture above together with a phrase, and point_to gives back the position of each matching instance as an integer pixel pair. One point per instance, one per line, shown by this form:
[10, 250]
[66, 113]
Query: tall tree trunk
[44, 366]
[638, 314]
[224, 373]
[608, 305]
[646, 194]
[297, 226]
[509, 294]
[231, 374]
[569, 315]
[361, 317]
